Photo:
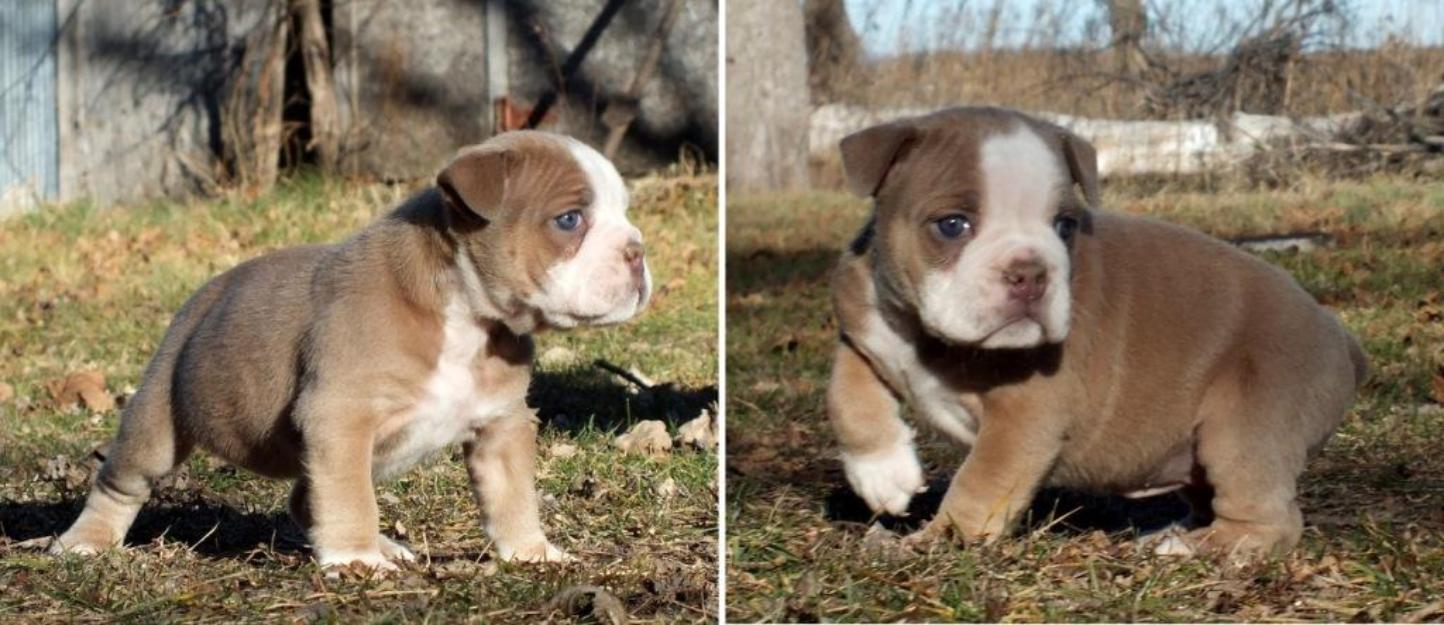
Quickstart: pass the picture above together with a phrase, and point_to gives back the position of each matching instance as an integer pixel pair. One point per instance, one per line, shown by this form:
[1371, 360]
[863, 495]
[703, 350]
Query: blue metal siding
[29, 144]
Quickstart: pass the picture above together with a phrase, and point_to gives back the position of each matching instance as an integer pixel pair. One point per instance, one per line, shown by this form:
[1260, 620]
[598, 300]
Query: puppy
[1067, 346]
[341, 365]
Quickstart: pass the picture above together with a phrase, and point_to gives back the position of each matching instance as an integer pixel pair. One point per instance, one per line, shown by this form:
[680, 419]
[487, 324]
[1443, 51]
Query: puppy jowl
[1064, 345]
[337, 366]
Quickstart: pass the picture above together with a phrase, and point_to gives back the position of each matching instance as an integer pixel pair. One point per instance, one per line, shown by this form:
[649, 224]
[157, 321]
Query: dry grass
[1078, 82]
[86, 289]
[799, 543]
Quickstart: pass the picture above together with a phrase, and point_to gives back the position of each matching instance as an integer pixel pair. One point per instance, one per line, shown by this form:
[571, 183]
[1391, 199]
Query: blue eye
[569, 220]
[1065, 226]
[953, 226]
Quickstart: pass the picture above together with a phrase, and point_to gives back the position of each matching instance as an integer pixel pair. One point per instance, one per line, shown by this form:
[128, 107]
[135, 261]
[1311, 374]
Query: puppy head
[976, 220]
[542, 230]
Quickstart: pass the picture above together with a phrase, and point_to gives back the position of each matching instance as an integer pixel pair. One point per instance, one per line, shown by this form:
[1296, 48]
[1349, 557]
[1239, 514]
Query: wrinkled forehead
[558, 170]
[983, 164]
[609, 192]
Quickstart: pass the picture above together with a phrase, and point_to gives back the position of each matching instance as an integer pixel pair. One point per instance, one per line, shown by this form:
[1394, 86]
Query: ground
[84, 289]
[799, 545]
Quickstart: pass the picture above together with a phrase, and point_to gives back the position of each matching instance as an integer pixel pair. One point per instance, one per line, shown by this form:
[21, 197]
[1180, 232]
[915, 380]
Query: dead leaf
[699, 432]
[463, 569]
[592, 601]
[646, 437]
[6, 392]
[85, 386]
[1438, 386]
[667, 489]
[561, 450]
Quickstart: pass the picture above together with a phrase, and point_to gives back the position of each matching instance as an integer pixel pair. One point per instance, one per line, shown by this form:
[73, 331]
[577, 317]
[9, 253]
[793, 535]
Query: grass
[82, 288]
[800, 547]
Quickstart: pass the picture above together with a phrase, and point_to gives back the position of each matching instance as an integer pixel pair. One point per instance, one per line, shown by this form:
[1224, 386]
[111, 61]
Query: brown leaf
[85, 386]
[592, 601]
[1438, 386]
[646, 437]
[6, 392]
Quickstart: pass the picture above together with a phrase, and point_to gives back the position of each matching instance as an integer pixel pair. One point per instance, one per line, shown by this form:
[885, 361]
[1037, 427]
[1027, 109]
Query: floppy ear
[476, 180]
[1082, 165]
[867, 155]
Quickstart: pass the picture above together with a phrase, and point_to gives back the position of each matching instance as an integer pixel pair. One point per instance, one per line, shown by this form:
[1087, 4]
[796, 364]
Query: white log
[1127, 147]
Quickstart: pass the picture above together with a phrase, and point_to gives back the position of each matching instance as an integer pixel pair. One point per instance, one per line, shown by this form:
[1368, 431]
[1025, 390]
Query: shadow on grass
[765, 269]
[589, 396]
[211, 529]
[1061, 511]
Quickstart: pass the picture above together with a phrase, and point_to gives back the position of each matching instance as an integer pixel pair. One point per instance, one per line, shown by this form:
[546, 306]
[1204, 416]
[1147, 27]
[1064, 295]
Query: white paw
[886, 480]
[393, 550]
[60, 548]
[69, 544]
[372, 560]
[537, 552]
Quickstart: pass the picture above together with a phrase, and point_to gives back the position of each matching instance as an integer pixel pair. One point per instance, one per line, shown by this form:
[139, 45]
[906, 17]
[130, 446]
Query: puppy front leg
[998, 479]
[501, 462]
[877, 447]
[337, 487]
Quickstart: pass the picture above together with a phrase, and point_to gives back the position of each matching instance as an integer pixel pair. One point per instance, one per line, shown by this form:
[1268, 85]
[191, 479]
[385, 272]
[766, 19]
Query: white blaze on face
[596, 285]
[1022, 181]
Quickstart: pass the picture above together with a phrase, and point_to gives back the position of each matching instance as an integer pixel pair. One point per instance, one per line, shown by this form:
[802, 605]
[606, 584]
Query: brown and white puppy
[1068, 346]
[340, 365]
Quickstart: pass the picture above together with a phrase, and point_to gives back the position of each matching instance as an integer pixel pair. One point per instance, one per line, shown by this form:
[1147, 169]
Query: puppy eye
[569, 220]
[1065, 226]
[953, 226]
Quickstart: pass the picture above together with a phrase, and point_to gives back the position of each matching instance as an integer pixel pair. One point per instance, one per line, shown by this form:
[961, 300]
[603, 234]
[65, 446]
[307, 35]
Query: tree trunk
[1128, 20]
[833, 50]
[316, 53]
[767, 97]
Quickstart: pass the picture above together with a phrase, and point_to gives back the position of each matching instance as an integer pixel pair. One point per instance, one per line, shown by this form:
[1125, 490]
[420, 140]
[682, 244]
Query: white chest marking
[451, 405]
[928, 395]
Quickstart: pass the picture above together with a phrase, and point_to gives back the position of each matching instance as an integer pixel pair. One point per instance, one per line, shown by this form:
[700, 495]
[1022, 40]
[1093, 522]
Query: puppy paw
[393, 550]
[374, 560]
[886, 480]
[542, 551]
[1236, 542]
[79, 544]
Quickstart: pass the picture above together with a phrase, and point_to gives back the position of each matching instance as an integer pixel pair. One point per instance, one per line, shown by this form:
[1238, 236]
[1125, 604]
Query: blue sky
[889, 26]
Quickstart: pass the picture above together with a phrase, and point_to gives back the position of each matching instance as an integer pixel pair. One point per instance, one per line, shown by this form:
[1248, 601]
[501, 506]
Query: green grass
[82, 288]
[1373, 550]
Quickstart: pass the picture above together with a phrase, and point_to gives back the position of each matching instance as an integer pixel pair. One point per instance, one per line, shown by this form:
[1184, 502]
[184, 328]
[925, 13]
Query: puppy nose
[1027, 279]
[635, 254]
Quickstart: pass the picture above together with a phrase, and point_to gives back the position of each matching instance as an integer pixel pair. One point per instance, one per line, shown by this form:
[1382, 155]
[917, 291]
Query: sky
[892, 26]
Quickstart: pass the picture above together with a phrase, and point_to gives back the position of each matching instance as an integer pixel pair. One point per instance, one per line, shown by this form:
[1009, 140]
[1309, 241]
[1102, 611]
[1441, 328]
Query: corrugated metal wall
[29, 165]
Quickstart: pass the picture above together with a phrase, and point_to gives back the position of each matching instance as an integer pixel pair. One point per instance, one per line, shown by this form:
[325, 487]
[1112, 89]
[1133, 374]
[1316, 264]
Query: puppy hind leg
[1252, 464]
[148, 446]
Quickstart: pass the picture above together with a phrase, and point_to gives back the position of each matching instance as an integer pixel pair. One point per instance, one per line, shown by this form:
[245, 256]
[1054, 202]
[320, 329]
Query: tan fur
[1189, 363]
[307, 363]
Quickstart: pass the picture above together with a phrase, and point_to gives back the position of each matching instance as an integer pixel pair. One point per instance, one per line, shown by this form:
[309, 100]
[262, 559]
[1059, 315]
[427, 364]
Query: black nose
[1027, 280]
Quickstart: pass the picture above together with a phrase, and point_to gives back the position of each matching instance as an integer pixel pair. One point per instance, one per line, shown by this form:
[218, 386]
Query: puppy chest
[461, 394]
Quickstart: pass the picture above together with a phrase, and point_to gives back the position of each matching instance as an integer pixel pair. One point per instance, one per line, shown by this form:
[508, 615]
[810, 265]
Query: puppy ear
[1082, 165]
[867, 155]
[476, 180]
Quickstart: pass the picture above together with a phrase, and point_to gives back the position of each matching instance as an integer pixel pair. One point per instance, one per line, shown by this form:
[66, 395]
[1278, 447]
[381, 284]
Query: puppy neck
[482, 304]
